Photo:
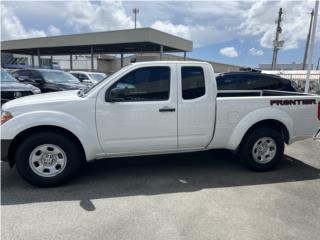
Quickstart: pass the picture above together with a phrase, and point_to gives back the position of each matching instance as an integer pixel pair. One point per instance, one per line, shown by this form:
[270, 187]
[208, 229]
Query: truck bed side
[236, 115]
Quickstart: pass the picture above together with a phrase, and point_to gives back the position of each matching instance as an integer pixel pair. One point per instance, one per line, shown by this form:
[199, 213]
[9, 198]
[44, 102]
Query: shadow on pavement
[152, 175]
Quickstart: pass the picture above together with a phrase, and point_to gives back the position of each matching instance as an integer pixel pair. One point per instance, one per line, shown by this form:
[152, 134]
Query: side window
[82, 77]
[269, 83]
[24, 73]
[193, 84]
[36, 75]
[225, 83]
[276, 84]
[145, 84]
[250, 82]
[76, 75]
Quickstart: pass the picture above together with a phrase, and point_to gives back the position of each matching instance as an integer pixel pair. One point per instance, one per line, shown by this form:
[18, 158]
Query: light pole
[313, 38]
[135, 12]
[307, 42]
[276, 43]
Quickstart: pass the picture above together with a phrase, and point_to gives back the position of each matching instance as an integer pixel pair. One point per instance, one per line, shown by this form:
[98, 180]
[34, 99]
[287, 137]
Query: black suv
[11, 88]
[254, 81]
[48, 80]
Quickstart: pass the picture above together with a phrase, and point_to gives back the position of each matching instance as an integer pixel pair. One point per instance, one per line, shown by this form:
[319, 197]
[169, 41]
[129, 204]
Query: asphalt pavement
[206, 195]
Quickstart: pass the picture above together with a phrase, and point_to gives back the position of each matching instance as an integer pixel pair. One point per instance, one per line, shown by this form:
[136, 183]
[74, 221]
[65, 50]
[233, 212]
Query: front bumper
[5, 144]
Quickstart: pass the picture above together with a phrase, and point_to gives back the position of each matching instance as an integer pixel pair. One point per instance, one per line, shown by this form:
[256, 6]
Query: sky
[233, 32]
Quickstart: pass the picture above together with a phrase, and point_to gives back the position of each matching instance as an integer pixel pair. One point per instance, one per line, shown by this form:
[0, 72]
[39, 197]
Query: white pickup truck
[151, 108]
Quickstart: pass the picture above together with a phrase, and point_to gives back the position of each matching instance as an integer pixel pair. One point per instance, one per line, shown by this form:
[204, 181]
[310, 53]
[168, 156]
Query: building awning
[110, 42]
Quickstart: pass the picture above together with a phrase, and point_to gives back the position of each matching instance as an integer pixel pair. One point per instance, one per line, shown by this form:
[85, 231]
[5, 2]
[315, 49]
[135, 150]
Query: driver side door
[145, 120]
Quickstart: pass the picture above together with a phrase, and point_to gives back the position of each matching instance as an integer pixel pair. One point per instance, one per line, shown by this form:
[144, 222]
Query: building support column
[32, 61]
[51, 62]
[39, 58]
[121, 60]
[71, 62]
[92, 60]
[161, 52]
[184, 56]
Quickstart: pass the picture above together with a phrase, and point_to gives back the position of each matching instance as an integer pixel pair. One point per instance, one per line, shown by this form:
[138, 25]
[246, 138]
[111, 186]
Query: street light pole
[135, 12]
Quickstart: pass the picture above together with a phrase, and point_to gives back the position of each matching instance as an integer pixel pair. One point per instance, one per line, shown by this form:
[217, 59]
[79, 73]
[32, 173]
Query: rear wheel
[48, 159]
[262, 149]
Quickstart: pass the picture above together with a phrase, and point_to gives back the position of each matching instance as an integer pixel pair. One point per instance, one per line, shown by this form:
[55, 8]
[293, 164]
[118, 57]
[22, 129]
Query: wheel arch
[275, 124]
[275, 118]
[42, 128]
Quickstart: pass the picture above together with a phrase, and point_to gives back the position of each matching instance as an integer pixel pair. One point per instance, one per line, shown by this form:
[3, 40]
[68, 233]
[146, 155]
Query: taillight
[319, 110]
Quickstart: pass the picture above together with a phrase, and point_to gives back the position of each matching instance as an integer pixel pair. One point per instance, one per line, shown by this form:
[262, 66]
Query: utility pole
[135, 12]
[307, 42]
[276, 43]
[318, 64]
[310, 53]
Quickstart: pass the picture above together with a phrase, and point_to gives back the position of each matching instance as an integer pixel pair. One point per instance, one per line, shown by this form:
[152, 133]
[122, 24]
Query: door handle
[167, 109]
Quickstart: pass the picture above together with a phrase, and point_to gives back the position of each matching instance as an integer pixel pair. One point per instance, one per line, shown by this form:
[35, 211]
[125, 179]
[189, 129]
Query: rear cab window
[193, 82]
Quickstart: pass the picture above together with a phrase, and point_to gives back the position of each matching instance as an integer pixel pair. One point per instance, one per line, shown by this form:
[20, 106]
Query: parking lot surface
[204, 195]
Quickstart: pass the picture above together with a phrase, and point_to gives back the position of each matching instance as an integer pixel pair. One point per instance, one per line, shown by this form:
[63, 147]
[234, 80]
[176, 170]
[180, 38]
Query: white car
[151, 108]
[89, 78]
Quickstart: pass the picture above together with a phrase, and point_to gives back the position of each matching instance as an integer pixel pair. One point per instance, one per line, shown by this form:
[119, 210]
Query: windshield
[7, 77]
[84, 92]
[97, 76]
[59, 77]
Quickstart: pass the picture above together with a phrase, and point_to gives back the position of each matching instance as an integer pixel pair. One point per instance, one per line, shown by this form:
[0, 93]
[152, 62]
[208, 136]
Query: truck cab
[149, 112]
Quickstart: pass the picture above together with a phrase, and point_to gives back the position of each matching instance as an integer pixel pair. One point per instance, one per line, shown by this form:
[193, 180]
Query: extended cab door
[145, 121]
[196, 105]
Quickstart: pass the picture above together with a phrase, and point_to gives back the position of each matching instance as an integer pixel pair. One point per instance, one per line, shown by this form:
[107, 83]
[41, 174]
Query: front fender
[86, 136]
[257, 116]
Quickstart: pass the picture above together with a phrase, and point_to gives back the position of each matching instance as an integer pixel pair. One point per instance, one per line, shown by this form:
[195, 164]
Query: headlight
[5, 116]
[36, 91]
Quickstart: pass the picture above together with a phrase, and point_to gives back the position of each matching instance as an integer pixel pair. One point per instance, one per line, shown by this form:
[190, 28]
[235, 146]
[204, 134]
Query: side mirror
[86, 81]
[38, 80]
[23, 78]
[116, 95]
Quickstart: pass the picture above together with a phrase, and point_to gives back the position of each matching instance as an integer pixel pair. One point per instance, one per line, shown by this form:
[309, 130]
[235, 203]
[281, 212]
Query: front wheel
[262, 149]
[48, 159]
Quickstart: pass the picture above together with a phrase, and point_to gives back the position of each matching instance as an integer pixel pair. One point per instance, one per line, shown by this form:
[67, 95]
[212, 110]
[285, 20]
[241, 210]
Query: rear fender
[255, 117]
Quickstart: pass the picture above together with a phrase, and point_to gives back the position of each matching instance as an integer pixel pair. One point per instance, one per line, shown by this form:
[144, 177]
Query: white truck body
[117, 129]
[151, 108]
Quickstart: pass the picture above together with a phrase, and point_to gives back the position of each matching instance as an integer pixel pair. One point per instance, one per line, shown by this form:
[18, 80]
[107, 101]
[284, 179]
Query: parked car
[11, 88]
[254, 81]
[49, 80]
[169, 107]
[90, 78]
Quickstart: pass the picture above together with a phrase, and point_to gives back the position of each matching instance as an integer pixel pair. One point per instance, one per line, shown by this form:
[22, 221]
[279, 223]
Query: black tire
[246, 154]
[74, 158]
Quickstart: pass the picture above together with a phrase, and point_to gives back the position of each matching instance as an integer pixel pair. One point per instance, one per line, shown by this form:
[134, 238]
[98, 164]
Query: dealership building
[99, 51]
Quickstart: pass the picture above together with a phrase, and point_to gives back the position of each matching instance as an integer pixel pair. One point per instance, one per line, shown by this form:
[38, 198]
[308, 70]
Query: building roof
[121, 41]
